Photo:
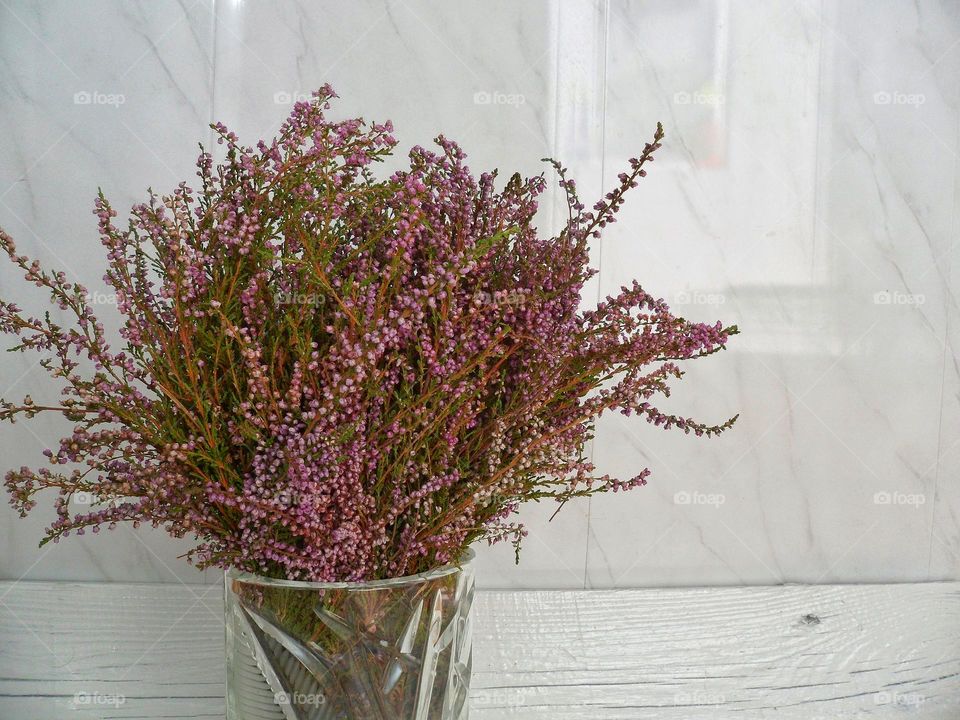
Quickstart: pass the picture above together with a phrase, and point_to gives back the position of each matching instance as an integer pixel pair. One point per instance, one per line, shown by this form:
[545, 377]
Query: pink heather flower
[330, 375]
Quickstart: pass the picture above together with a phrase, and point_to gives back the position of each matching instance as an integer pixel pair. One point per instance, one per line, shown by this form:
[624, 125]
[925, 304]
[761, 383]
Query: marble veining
[807, 192]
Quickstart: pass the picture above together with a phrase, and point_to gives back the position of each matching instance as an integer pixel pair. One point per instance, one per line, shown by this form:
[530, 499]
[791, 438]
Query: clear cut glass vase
[397, 649]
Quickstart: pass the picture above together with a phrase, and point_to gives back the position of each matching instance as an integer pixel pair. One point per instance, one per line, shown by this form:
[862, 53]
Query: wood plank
[811, 652]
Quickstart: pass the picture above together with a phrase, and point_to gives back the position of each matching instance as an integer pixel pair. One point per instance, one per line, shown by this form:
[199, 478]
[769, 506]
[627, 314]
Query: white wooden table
[817, 653]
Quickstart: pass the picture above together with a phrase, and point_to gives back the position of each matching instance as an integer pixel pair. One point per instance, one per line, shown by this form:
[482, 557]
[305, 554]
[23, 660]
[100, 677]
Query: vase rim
[433, 574]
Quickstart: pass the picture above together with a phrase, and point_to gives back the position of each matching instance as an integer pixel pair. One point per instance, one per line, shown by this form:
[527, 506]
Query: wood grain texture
[819, 653]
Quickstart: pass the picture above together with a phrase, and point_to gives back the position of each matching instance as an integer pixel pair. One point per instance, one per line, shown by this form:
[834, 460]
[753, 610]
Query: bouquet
[330, 375]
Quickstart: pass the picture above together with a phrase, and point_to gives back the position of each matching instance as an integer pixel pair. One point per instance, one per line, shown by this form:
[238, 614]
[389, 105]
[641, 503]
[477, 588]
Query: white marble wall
[807, 192]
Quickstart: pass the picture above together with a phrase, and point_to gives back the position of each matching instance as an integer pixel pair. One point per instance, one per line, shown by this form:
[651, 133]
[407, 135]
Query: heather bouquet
[330, 374]
[337, 381]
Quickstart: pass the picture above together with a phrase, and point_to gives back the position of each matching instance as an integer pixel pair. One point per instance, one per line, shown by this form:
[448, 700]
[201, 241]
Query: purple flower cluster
[329, 375]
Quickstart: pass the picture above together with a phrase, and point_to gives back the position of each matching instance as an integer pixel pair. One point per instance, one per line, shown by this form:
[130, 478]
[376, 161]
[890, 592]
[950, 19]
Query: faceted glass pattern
[397, 649]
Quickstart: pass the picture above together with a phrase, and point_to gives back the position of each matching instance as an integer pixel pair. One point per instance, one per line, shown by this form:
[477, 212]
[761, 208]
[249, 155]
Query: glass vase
[397, 649]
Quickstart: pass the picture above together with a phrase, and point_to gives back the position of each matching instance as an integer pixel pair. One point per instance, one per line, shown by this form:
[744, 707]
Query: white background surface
[98, 651]
[810, 164]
